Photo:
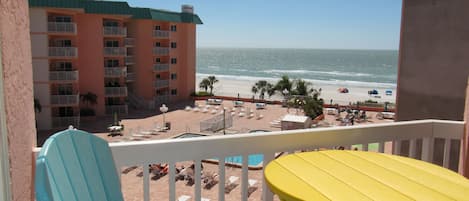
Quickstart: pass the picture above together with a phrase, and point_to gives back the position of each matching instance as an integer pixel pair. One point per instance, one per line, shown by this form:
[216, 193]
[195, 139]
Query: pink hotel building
[124, 55]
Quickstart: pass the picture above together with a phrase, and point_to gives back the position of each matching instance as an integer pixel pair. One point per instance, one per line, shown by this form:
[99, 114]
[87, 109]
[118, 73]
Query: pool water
[253, 160]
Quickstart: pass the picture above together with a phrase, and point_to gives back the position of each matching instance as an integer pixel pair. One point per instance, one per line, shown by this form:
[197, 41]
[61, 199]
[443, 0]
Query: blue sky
[332, 24]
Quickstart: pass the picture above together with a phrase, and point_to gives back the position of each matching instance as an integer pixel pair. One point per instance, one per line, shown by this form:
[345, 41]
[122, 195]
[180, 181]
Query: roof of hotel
[119, 8]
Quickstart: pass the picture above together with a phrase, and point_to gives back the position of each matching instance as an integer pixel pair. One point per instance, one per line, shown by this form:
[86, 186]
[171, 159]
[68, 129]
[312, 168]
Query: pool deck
[189, 122]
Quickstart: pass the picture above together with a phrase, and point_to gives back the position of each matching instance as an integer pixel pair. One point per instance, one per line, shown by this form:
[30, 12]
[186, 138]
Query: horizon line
[305, 48]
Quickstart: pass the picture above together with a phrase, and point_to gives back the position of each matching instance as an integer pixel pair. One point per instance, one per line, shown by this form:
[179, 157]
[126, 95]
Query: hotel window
[108, 23]
[65, 111]
[63, 19]
[63, 43]
[112, 63]
[173, 28]
[174, 91]
[65, 89]
[111, 43]
[157, 44]
[173, 44]
[173, 76]
[157, 28]
[63, 66]
[158, 76]
[158, 60]
[173, 60]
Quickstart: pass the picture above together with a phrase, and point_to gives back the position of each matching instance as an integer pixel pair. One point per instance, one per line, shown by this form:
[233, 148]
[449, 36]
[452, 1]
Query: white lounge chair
[251, 115]
[241, 114]
[196, 109]
[205, 110]
[214, 111]
[184, 198]
[251, 187]
[188, 108]
[231, 184]
[233, 113]
[260, 116]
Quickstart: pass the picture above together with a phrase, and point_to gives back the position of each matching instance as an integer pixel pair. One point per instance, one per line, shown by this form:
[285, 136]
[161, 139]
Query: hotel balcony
[64, 122]
[161, 99]
[65, 100]
[161, 50]
[62, 52]
[131, 77]
[115, 91]
[129, 60]
[116, 109]
[110, 72]
[160, 67]
[115, 31]
[161, 83]
[63, 76]
[129, 42]
[115, 51]
[62, 27]
[161, 34]
[434, 141]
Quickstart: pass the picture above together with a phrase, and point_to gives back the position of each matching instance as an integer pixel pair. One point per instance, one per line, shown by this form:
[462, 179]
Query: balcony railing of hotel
[159, 99]
[62, 27]
[161, 50]
[115, 91]
[65, 99]
[116, 109]
[161, 34]
[115, 71]
[130, 77]
[161, 67]
[115, 51]
[66, 121]
[129, 42]
[114, 31]
[63, 75]
[63, 52]
[417, 138]
[129, 60]
[161, 83]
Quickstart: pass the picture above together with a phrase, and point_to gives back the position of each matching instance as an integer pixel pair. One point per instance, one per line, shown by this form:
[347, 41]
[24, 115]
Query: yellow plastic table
[357, 175]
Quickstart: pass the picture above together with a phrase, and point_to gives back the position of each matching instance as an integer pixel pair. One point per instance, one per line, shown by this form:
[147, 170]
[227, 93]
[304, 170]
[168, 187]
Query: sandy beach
[231, 87]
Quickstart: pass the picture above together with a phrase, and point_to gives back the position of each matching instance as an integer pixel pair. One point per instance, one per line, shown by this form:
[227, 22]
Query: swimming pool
[253, 160]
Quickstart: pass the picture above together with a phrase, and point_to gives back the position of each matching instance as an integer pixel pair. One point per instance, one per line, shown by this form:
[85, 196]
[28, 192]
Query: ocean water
[365, 68]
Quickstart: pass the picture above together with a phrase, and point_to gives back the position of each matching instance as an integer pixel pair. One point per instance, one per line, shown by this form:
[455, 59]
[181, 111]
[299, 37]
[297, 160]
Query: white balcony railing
[160, 34]
[116, 109]
[63, 52]
[58, 122]
[131, 77]
[114, 31]
[115, 71]
[63, 75]
[161, 50]
[62, 27]
[115, 91]
[161, 67]
[419, 135]
[65, 100]
[129, 42]
[129, 60]
[115, 51]
[161, 83]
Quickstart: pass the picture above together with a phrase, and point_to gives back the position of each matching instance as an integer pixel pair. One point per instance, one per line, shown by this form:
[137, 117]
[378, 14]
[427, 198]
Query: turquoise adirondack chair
[74, 165]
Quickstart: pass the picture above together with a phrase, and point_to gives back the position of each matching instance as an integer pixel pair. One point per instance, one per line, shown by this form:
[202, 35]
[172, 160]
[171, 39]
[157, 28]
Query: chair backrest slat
[75, 165]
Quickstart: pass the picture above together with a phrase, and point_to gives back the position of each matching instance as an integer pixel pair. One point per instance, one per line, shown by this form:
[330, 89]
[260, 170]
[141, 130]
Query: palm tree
[284, 83]
[302, 88]
[263, 87]
[89, 99]
[204, 84]
[212, 79]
